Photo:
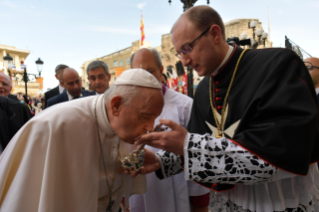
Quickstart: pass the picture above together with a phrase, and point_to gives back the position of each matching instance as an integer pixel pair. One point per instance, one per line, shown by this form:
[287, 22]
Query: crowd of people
[248, 141]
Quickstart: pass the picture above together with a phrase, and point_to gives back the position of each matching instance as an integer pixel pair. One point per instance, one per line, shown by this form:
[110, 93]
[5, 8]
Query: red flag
[142, 31]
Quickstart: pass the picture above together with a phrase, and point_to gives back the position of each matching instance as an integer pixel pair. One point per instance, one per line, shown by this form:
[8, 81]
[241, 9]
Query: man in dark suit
[72, 83]
[21, 111]
[8, 124]
[57, 90]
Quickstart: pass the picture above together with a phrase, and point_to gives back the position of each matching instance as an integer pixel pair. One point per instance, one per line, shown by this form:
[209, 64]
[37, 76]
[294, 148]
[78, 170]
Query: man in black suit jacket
[72, 83]
[57, 90]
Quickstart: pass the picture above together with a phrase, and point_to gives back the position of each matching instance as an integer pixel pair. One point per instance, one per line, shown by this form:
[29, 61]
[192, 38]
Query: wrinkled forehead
[4, 78]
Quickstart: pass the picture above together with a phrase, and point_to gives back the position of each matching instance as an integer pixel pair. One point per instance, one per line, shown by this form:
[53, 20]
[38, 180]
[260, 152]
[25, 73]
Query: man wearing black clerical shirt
[57, 90]
[252, 137]
[72, 83]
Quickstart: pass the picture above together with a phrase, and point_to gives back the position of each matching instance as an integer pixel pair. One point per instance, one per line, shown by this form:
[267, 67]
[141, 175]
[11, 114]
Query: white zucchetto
[138, 77]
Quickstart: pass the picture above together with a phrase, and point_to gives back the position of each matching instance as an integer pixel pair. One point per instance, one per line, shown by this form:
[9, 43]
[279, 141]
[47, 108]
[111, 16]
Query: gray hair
[7, 77]
[97, 64]
[127, 92]
[157, 58]
[60, 67]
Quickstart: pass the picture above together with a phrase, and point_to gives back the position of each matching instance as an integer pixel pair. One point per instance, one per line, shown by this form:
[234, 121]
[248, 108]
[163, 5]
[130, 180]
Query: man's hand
[151, 164]
[172, 141]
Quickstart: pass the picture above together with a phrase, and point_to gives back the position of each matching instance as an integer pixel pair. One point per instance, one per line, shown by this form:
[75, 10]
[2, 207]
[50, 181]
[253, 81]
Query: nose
[185, 60]
[149, 125]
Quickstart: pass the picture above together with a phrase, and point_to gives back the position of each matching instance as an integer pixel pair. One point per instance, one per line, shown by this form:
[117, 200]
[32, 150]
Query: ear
[161, 70]
[216, 32]
[116, 105]
[62, 83]
[109, 76]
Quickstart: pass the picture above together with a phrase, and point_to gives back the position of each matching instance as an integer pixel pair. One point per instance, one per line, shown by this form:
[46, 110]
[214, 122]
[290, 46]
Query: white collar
[317, 90]
[61, 89]
[102, 118]
[71, 97]
[230, 50]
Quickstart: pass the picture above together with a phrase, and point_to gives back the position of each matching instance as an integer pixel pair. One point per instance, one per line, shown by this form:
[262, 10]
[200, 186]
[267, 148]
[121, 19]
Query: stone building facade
[18, 55]
[120, 60]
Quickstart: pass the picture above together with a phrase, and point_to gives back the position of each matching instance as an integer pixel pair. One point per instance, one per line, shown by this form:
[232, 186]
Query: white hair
[8, 78]
[127, 92]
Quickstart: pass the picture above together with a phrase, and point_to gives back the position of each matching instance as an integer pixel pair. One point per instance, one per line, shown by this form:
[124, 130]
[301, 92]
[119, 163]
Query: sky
[74, 31]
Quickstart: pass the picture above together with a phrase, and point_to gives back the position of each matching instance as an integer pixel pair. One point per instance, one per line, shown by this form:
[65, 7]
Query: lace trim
[208, 159]
[218, 204]
[170, 163]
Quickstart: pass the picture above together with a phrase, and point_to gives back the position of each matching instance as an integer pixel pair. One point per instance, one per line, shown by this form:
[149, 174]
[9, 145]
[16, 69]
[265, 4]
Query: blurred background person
[21, 111]
[8, 124]
[164, 79]
[37, 107]
[98, 76]
[72, 83]
[59, 89]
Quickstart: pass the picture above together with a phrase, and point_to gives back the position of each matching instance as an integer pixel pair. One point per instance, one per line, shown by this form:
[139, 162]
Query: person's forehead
[96, 71]
[313, 61]
[183, 33]
[4, 79]
[143, 58]
[71, 78]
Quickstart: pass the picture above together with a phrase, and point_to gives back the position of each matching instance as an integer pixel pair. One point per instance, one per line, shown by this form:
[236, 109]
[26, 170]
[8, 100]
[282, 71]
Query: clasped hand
[171, 141]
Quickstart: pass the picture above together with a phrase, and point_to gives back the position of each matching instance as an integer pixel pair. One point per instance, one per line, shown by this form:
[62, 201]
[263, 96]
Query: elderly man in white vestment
[67, 158]
[178, 194]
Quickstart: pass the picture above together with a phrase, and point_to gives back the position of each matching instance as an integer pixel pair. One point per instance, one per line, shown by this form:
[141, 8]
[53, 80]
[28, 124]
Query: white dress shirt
[72, 97]
[61, 89]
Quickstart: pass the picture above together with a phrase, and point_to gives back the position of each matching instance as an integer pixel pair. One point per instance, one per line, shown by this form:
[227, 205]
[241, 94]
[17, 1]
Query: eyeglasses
[187, 48]
[310, 67]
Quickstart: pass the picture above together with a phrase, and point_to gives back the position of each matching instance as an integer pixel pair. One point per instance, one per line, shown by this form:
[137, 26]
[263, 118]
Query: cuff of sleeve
[186, 165]
[160, 173]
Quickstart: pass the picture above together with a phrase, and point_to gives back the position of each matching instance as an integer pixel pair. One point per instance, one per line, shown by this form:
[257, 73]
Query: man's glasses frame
[187, 48]
[310, 67]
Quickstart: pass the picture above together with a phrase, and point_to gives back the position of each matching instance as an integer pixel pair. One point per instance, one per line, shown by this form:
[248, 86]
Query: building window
[128, 61]
[121, 63]
[115, 63]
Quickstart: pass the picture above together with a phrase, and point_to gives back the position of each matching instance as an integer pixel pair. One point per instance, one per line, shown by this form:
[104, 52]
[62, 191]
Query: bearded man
[66, 158]
[253, 137]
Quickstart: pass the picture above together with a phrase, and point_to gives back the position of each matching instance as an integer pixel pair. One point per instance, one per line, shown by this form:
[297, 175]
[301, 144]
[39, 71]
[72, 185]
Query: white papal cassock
[170, 194]
[54, 164]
